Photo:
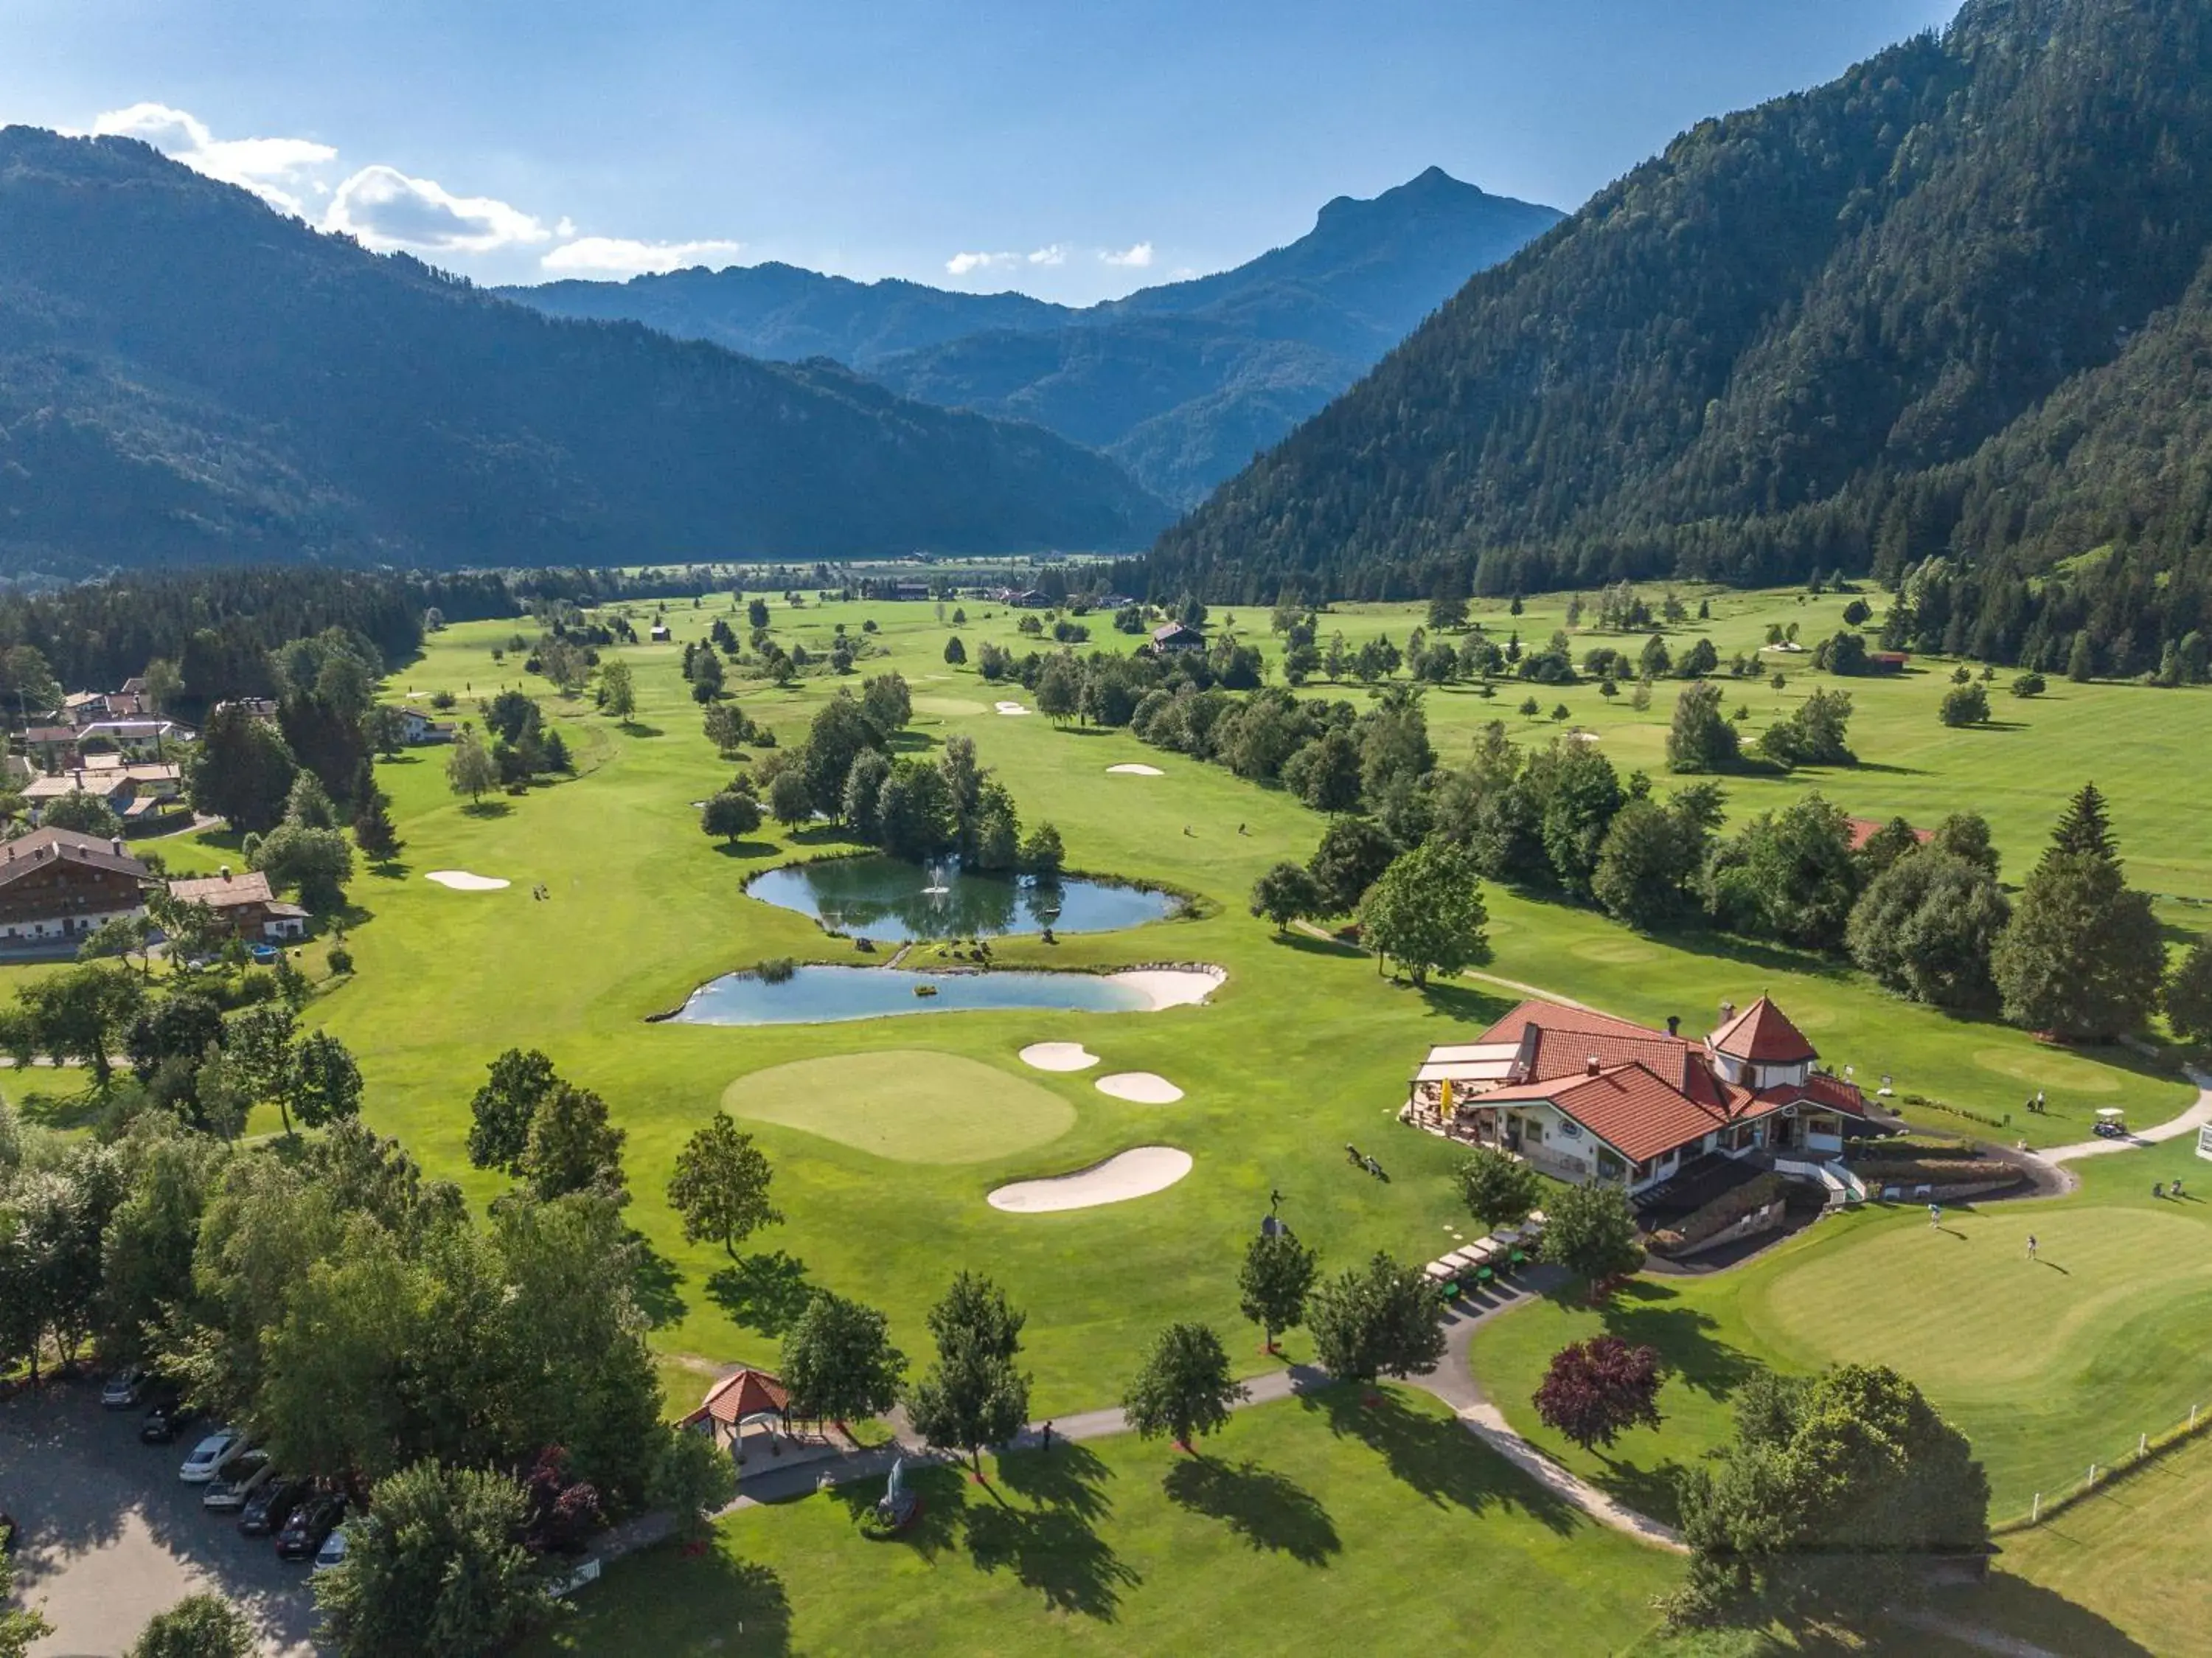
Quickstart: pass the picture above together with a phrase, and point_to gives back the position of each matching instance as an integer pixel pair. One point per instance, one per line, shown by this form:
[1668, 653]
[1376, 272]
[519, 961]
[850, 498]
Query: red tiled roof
[1629, 1107]
[745, 1393]
[1762, 1034]
[1568, 1038]
[1865, 829]
[1830, 1091]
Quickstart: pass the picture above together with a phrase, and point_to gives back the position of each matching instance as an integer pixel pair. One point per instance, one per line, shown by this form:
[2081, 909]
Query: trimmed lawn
[2046, 1365]
[908, 1105]
[2132, 1556]
[1314, 1525]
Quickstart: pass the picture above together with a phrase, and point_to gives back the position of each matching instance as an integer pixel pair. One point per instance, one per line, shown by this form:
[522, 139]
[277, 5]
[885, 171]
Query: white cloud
[385, 209]
[617, 256]
[1139, 258]
[961, 265]
[273, 168]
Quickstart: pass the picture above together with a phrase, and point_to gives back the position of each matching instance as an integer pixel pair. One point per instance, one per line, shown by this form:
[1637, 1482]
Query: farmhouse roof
[1762, 1034]
[39, 848]
[1631, 1108]
[225, 891]
[1865, 829]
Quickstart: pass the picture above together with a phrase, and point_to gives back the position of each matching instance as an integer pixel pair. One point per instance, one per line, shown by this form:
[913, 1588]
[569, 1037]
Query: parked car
[236, 1480]
[167, 1419]
[303, 1534]
[333, 1552]
[124, 1388]
[270, 1505]
[209, 1454]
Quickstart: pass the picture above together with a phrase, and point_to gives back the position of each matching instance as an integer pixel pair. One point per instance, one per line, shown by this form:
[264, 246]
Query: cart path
[1452, 1382]
[2188, 1123]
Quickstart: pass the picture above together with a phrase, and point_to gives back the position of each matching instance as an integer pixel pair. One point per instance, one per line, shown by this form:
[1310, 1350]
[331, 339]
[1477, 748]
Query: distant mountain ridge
[187, 376]
[1181, 382]
[1953, 304]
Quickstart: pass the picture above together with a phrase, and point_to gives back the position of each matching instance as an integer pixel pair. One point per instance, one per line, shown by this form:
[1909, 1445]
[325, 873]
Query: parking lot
[110, 1536]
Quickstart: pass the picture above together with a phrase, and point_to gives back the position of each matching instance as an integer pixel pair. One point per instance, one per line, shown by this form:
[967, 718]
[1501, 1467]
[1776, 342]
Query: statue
[898, 1503]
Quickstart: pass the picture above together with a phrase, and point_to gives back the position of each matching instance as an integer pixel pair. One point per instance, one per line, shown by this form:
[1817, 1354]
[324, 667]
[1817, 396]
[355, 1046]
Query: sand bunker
[1134, 772]
[1010, 708]
[461, 882]
[1171, 987]
[1058, 1056]
[1136, 1174]
[1140, 1087]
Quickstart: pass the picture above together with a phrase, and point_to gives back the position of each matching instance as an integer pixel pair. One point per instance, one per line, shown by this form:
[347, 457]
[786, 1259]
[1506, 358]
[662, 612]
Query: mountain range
[188, 376]
[1957, 303]
[1180, 383]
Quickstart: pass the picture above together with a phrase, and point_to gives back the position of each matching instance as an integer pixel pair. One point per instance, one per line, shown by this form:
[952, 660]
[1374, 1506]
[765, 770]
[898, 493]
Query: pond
[826, 995]
[898, 902]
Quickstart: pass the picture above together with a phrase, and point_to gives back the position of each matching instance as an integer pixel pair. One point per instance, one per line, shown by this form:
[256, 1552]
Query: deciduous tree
[1184, 1387]
[839, 1362]
[1383, 1319]
[720, 1185]
[1498, 1189]
[470, 768]
[198, 1626]
[432, 1566]
[1426, 913]
[1277, 1276]
[500, 1112]
[1593, 1390]
[1283, 894]
[1591, 1231]
[974, 1395]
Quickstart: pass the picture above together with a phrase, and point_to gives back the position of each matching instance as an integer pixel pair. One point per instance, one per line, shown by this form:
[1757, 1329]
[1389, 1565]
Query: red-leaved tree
[1595, 1388]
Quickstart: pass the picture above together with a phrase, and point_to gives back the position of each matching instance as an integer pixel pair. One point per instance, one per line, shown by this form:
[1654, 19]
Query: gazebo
[743, 1397]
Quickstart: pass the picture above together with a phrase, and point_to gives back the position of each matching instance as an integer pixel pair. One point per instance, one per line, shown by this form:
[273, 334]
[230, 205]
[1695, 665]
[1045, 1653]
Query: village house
[244, 905]
[139, 793]
[56, 885]
[416, 728]
[1175, 635]
[1585, 1096]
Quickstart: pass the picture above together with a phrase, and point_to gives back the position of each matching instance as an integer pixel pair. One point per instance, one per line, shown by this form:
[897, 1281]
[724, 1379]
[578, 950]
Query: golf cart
[2111, 1123]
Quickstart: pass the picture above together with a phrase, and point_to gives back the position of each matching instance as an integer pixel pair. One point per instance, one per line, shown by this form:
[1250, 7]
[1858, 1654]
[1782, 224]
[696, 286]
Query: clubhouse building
[1585, 1096]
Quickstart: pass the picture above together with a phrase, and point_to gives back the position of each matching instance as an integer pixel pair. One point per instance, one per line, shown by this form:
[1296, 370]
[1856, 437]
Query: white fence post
[2093, 1473]
[2142, 1444]
[2035, 1511]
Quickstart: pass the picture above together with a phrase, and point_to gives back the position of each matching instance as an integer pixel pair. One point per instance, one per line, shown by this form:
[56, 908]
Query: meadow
[887, 1135]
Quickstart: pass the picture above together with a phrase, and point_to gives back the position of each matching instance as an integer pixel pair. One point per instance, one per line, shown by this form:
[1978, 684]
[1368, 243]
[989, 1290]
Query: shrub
[1718, 1215]
[776, 970]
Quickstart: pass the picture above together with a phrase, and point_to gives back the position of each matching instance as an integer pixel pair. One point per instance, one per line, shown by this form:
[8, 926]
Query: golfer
[2030, 1246]
[1934, 1214]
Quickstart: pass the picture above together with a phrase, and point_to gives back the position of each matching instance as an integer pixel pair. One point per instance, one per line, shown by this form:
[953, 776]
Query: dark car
[268, 1508]
[167, 1419]
[311, 1521]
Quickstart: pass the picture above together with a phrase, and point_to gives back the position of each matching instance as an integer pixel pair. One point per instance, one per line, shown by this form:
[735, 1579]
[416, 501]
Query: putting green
[909, 1105]
[1963, 1311]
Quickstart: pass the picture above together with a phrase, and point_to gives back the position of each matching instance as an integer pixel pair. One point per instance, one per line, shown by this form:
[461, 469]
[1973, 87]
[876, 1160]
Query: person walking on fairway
[2030, 1246]
[1935, 1215]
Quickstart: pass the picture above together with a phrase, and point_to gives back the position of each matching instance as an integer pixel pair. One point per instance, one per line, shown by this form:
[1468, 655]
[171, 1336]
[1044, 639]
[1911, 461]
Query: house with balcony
[56, 885]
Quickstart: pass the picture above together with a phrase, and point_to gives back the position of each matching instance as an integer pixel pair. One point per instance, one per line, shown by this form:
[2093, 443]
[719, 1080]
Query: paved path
[2188, 1123]
[1452, 1382]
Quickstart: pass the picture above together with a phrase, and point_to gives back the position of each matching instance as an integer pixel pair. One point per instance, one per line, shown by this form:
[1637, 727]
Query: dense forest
[1181, 383]
[1953, 306]
[187, 376]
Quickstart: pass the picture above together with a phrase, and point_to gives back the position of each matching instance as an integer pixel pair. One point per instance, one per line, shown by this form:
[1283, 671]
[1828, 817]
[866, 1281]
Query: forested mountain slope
[187, 376]
[1952, 304]
[1182, 383]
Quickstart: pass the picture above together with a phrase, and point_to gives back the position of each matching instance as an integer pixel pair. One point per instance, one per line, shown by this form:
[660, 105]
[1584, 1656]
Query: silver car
[209, 1454]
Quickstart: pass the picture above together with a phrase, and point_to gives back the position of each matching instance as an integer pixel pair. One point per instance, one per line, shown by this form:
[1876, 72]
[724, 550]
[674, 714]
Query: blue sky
[1072, 151]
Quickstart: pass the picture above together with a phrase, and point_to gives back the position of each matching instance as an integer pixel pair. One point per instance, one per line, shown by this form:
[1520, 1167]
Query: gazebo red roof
[1762, 1034]
[741, 1394]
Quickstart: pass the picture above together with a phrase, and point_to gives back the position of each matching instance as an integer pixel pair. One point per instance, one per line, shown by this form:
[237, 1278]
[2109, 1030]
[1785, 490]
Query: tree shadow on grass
[2014, 1607]
[1644, 1313]
[639, 729]
[1307, 944]
[1070, 1476]
[715, 1595]
[1054, 1550]
[654, 1284]
[64, 1111]
[1272, 1513]
[765, 1292]
[1437, 1457]
[742, 849]
[1466, 1004]
[487, 808]
[391, 869]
